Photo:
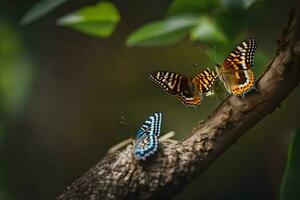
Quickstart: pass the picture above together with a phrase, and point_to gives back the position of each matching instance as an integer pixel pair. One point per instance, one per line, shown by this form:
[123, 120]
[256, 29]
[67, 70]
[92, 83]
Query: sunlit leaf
[191, 6]
[207, 31]
[97, 20]
[291, 180]
[42, 8]
[163, 32]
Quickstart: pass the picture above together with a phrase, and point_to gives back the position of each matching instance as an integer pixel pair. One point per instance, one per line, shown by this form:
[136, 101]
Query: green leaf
[238, 4]
[208, 31]
[291, 180]
[39, 10]
[163, 32]
[97, 20]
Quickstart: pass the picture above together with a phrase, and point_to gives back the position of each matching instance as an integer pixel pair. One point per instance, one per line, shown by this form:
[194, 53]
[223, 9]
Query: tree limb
[120, 176]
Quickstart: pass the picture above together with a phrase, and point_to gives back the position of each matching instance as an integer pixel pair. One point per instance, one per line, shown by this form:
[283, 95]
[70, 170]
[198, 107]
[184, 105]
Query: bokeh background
[67, 97]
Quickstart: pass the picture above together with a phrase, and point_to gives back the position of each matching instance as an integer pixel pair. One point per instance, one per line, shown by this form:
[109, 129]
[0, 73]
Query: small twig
[120, 145]
[166, 136]
[124, 143]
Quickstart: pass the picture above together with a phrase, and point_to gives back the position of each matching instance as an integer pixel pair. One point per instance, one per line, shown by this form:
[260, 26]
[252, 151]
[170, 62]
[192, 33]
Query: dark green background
[70, 91]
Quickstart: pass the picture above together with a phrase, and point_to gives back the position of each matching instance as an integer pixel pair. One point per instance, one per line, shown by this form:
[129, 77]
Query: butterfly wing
[147, 137]
[242, 57]
[190, 100]
[205, 80]
[171, 82]
[239, 82]
[178, 85]
[236, 74]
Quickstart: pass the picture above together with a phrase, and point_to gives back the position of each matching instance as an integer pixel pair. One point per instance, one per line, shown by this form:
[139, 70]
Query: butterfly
[236, 73]
[146, 142]
[188, 91]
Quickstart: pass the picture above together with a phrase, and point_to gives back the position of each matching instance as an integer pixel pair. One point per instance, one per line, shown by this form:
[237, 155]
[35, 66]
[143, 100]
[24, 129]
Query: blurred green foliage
[15, 69]
[214, 18]
[208, 31]
[39, 10]
[163, 32]
[290, 186]
[97, 20]
[209, 21]
[15, 84]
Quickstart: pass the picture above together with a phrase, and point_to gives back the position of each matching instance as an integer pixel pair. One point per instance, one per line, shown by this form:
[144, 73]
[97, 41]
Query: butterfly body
[236, 73]
[146, 142]
[188, 91]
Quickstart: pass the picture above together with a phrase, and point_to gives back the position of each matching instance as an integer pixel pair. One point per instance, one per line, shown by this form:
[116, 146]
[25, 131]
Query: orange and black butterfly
[189, 91]
[235, 72]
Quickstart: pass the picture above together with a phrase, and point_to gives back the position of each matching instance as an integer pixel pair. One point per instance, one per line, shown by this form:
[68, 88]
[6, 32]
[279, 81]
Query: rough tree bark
[120, 176]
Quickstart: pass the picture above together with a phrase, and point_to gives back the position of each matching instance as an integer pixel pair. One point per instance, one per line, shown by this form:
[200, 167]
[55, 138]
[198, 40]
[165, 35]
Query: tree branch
[120, 176]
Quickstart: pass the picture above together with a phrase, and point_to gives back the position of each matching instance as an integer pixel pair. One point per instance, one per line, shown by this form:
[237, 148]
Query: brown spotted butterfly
[188, 91]
[235, 72]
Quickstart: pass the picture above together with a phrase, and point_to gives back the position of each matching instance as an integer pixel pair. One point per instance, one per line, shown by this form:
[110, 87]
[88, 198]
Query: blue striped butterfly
[236, 73]
[146, 142]
[188, 91]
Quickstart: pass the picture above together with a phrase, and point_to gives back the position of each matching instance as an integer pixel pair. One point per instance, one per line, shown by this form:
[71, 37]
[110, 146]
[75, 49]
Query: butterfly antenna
[202, 50]
[215, 55]
[123, 122]
[216, 61]
[218, 74]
